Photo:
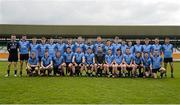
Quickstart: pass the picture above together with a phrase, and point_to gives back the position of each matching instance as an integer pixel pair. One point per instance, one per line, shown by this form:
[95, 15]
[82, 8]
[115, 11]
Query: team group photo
[97, 52]
[118, 58]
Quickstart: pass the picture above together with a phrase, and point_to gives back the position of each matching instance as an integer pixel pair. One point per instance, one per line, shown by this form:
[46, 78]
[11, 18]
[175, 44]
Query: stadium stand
[90, 31]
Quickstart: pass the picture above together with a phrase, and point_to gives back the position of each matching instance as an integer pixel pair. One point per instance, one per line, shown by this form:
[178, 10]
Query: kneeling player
[128, 60]
[138, 64]
[78, 60]
[109, 65]
[58, 64]
[119, 65]
[46, 64]
[90, 63]
[157, 64]
[147, 65]
[32, 65]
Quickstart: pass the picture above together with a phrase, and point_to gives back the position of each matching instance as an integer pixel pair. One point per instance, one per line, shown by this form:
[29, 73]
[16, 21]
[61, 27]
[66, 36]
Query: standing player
[34, 47]
[78, 44]
[138, 46]
[24, 52]
[109, 46]
[116, 44]
[60, 46]
[98, 44]
[157, 46]
[128, 61]
[42, 48]
[90, 63]
[12, 48]
[109, 65]
[147, 47]
[58, 64]
[167, 49]
[119, 65]
[68, 57]
[78, 60]
[46, 64]
[123, 47]
[70, 45]
[52, 48]
[88, 45]
[32, 65]
[131, 47]
[147, 64]
[157, 64]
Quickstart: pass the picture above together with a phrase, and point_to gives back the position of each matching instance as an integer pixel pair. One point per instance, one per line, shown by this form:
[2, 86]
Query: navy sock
[15, 71]
[8, 72]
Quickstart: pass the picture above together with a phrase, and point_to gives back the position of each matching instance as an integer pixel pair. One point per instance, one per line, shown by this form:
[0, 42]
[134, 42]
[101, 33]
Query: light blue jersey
[128, 58]
[147, 48]
[52, 49]
[116, 46]
[156, 62]
[167, 50]
[33, 61]
[109, 59]
[157, 47]
[46, 61]
[137, 48]
[57, 61]
[24, 47]
[89, 58]
[34, 48]
[123, 48]
[118, 59]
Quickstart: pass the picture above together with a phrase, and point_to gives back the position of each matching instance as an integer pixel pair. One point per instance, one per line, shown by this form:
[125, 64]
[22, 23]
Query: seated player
[58, 64]
[138, 64]
[119, 65]
[68, 57]
[90, 63]
[78, 60]
[147, 65]
[46, 64]
[32, 65]
[128, 60]
[109, 66]
[157, 64]
[99, 60]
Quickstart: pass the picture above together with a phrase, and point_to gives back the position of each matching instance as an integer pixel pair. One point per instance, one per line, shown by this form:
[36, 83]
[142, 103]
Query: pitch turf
[80, 90]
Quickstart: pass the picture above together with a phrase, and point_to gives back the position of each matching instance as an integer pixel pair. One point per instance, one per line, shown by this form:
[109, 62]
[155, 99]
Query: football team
[117, 58]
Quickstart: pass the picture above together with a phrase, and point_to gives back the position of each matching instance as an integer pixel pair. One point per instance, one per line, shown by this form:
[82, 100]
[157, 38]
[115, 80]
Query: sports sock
[15, 72]
[8, 72]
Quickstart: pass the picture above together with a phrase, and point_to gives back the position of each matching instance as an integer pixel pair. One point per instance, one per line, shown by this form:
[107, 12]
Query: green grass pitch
[82, 90]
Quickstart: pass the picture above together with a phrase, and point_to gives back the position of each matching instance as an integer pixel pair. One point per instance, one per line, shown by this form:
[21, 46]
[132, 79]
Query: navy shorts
[24, 57]
[166, 60]
[155, 70]
[13, 58]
